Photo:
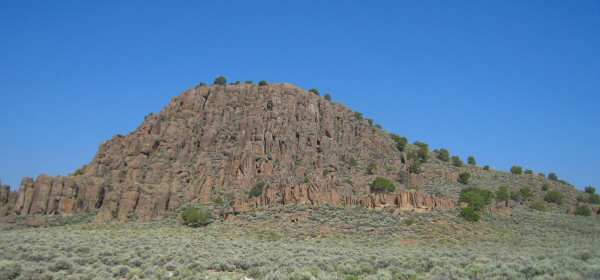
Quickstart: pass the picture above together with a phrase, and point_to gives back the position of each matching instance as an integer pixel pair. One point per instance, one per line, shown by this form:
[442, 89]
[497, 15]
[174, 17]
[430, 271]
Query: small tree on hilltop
[590, 190]
[528, 171]
[382, 185]
[517, 170]
[552, 176]
[328, 97]
[221, 81]
[464, 177]
[456, 161]
[471, 161]
[443, 155]
[314, 91]
[486, 168]
[263, 83]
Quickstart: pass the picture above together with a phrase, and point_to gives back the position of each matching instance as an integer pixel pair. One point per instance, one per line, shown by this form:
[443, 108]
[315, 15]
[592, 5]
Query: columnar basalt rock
[222, 140]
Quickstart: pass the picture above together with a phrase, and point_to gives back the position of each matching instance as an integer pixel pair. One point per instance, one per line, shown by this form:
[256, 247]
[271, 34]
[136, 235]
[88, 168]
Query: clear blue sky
[511, 82]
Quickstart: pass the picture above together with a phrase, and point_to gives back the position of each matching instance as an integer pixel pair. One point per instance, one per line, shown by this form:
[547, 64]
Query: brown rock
[220, 140]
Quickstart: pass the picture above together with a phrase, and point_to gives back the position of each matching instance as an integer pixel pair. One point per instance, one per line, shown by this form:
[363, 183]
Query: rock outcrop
[7, 200]
[221, 141]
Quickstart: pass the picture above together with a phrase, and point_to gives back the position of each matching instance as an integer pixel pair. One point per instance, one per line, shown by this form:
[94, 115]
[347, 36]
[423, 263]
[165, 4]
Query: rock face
[7, 200]
[220, 141]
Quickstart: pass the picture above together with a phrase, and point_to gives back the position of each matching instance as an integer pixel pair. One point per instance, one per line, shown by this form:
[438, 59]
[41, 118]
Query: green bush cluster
[9, 270]
[415, 168]
[487, 167]
[470, 214]
[196, 216]
[263, 83]
[314, 91]
[257, 189]
[502, 194]
[382, 185]
[476, 198]
[583, 211]
[464, 178]
[528, 171]
[327, 97]
[538, 205]
[552, 176]
[443, 155]
[554, 197]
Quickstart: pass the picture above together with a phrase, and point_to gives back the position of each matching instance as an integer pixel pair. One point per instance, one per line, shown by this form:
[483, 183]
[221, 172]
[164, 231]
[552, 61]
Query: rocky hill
[247, 146]
[218, 143]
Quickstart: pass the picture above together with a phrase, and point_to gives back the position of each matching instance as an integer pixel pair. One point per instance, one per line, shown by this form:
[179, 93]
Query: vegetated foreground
[302, 243]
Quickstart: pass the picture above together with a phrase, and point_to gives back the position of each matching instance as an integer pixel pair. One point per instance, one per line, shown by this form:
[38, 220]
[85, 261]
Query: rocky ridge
[216, 143]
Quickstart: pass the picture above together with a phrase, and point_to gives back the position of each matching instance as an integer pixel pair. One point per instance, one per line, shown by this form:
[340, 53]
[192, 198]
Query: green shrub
[545, 187]
[9, 270]
[552, 176]
[517, 170]
[476, 198]
[590, 190]
[487, 167]
[423, 152]
[263, 83]
[400, 142]
[248, 82]
[456, 161]
[371, 168]
[410, 221]
[525, 193]
[61, 264]
[538, 205]
[470, 214]
[542, 175]
[516, 196]
[528, 171]
[443, 155]
[471, 160]
[583, 211]
[358, 115]
[415, 168]
[382, 184]
[196, 216]
[502, 194]
[220, 81]
[594, 198]
[327, 97]
[257, 190]
[554, 197]
[314, 91]
[464, 177]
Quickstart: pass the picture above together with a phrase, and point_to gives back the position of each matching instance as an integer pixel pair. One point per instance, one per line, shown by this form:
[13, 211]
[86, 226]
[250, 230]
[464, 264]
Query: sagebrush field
[302, 243]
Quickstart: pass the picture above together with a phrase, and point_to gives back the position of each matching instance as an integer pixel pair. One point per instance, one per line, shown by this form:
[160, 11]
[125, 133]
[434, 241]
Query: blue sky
[511, 82]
